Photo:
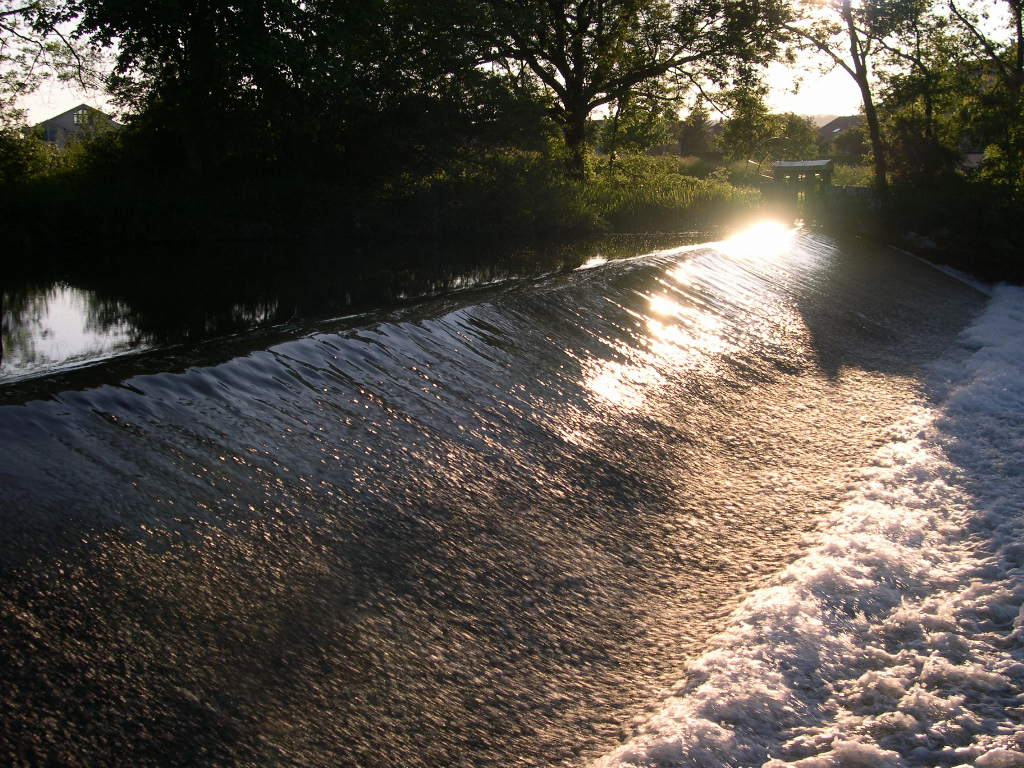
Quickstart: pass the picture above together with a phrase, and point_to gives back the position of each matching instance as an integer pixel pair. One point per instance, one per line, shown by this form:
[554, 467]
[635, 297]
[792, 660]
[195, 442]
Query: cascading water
[487, 529]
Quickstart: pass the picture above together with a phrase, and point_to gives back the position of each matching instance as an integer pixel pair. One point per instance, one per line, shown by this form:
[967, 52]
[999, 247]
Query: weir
[485, 529]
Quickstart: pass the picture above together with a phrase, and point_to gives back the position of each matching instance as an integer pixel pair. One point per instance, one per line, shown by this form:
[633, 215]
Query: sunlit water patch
[898, 639]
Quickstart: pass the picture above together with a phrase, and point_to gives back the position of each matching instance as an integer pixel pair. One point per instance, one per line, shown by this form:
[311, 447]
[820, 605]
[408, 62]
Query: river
[713, 504]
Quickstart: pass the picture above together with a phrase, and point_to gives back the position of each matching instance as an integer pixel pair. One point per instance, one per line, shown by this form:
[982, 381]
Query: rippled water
[87, 313]
[484, 529]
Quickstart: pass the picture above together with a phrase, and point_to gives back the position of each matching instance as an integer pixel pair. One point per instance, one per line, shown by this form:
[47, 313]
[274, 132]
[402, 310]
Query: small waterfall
[486, 529]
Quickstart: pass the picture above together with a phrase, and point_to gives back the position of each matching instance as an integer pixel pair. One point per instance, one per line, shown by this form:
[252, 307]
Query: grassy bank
[96, 193]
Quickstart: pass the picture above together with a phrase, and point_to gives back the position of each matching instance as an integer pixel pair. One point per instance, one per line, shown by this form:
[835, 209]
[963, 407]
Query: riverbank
[501, 195]
[966, 225]
[101, 197]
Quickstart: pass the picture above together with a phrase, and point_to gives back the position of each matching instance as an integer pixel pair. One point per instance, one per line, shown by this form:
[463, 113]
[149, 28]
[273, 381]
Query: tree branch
[985, 43]
[821, 46]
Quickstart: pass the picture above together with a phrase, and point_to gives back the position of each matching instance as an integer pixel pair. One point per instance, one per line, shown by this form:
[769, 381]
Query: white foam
[898, 639]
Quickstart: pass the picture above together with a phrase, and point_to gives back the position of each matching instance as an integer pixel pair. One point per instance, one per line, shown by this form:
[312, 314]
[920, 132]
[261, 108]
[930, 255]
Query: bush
[975, 224]
[23, 157]
[853, 176]
[501, 190]
[969, 224]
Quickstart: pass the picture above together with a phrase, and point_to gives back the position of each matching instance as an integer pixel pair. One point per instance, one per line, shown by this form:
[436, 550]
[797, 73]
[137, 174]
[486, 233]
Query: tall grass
[643, 193]
[853, 176]
[500, 191]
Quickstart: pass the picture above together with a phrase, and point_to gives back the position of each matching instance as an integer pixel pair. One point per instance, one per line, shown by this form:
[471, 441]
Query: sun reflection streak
[619, 384]
[767, 239]
[684, 274]
[702, 312]
[593, 261]
[673, 338]
[662, 305]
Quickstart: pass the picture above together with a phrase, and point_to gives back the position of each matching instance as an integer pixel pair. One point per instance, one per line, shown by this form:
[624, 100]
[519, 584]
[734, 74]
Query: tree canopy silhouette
[588, 53]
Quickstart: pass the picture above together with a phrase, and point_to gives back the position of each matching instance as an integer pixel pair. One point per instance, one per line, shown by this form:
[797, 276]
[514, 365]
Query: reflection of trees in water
[23, 311]
[160, 297]
[108, 316]
[27, 308]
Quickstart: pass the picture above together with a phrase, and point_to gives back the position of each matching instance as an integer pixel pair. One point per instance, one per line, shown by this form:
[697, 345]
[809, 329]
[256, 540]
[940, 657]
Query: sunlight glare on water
[593, 261]
[660, 305]
[766, 239]
[683, 335]
[671, 335]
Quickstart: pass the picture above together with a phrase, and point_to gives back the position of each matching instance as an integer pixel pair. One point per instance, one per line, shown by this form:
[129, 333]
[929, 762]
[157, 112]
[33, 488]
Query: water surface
[486, 528]
[58, 319]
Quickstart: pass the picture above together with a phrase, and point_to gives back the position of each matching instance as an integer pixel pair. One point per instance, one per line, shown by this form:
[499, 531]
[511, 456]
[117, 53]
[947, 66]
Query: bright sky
[831, 94]
[834, 93]
[55, 98]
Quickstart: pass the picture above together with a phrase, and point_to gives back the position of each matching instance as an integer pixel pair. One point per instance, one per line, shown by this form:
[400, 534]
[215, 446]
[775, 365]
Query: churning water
[615, 515]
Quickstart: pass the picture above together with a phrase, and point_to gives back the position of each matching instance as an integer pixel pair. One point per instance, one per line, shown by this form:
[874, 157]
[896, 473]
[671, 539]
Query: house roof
[80, 107]
[810, 165]
[833, 128]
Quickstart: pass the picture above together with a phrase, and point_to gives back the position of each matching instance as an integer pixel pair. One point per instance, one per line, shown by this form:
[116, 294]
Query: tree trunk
[574, 129]
[860, 71]
[930, 129]
[875, 137]
[1015, 145]
[199, 82]
[613, 142]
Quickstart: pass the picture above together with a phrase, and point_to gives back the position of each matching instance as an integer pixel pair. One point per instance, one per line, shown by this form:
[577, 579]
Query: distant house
[831, 130]
[821, 120]
[75, 124]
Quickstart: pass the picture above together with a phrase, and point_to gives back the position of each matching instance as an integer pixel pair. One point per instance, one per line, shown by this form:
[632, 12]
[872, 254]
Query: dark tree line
[370, 89]
[217, 80]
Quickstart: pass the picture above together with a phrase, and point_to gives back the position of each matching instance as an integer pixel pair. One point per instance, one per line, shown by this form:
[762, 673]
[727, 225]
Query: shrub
[23, 157]
[853, 176]
[501, 190]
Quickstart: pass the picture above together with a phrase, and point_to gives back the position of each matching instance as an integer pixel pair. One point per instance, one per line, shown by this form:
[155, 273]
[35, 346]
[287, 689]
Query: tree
[848, 33]
[848, 146]
[191, 65]
[367, 84]
[752, 132]
[918, 103]
[405, 77]
[914, 64]
[639, 121]
[750, 126]
[33, 47]
[799, 138]
[588, 53]
[21, 156]
[995, 63]
[695, 132]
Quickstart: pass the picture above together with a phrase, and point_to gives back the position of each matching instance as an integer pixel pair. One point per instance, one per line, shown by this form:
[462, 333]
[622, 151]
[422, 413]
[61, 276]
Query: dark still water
[483, 529]
[73, 316]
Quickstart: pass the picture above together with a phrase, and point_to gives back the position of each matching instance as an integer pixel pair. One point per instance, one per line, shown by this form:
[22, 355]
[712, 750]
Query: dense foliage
[268, 118]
